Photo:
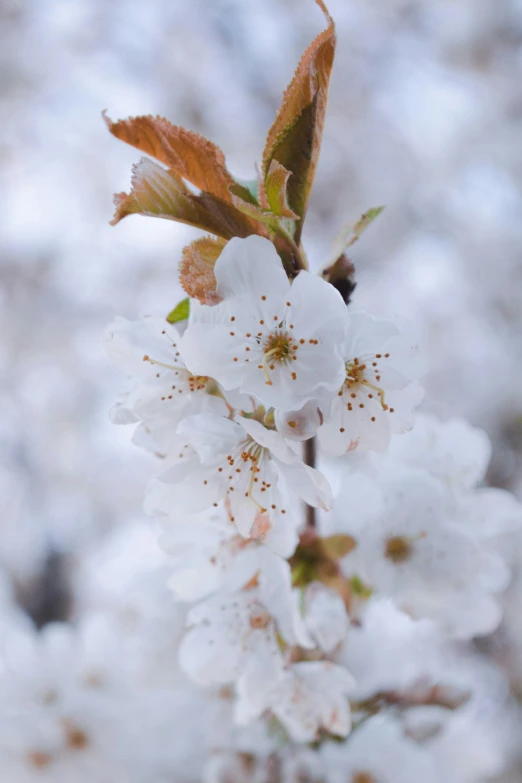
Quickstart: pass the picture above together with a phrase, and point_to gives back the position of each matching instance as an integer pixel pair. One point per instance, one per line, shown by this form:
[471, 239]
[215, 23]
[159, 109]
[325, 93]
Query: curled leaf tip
[326, 12]
[294, 140]
[197, 269]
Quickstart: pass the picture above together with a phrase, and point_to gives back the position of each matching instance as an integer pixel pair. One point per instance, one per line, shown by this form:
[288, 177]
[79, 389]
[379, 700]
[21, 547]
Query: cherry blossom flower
[313, 697]
[233, 637]
[276, 340]
[300, 424]
[380, 751]
[411, 548]
[147, 350]
[244, 463]
[325, 616]
[208, 555]
[378, 394]
[65, 703]
[453, 450]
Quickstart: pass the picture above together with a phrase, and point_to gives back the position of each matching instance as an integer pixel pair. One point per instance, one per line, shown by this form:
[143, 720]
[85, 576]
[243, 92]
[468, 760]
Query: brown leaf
[186, 153]
[157, 192]
[294, 150]
[300, 121]
[337, 546]
[275, 188]
[197, 269]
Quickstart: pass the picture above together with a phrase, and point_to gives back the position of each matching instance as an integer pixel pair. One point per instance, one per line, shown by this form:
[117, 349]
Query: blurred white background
[425, 116]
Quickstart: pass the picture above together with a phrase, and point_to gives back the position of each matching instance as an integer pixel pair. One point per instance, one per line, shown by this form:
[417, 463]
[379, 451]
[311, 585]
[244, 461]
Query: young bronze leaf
[160, 193]
[254, 211]
[276, 190]
[197, 269]
[187, 153]
[294, 150]
[305, 98]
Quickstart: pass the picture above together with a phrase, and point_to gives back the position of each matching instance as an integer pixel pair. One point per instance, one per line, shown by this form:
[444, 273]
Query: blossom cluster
[301, 581]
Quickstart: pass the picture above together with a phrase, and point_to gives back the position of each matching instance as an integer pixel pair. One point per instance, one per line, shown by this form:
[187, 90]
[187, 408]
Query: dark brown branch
[435, 695]
[309, 458]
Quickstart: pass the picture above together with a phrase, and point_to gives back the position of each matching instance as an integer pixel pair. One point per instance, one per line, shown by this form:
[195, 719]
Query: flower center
[354, 373]
[195, 382]
[398, 549]
[75, 737]
[279, 348]
[363, 777]
[39, 759]
[355, 376]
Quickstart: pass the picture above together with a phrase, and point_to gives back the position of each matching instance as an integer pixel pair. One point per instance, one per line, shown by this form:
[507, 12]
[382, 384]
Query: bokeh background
[425, 116]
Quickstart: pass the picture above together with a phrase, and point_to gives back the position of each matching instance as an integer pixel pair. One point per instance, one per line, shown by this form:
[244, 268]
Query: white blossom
[379, 751]
[378, 394]
[208, 555]
[325, 616]
[276, 340]
[147, 350]
[452, 450]
[313, 697]
[244, 463]
[413, 550]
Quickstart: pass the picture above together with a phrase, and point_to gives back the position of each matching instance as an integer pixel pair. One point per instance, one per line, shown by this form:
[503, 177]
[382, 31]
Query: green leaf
[358, 587]
[180, 312]
[255, 212]
[363, 223]
[276, 185]
[294, 150]
[350, 233]
[247, 189]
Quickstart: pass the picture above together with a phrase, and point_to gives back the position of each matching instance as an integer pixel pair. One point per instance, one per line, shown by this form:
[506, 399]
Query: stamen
[162, 364]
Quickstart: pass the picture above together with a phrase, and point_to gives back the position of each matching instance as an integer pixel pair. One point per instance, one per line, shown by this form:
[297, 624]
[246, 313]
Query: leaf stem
[299, 258]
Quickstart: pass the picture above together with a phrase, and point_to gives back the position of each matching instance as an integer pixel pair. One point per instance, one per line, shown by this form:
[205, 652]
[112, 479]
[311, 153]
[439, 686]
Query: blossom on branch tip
[268, 337]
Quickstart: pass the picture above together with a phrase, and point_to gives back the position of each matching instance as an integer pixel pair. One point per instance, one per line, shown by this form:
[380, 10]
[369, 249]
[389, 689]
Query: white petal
[210, 655]
[258, 683]
[127, 342]
[211, 435]
[325, 616]
[270, 439]
[300, 424]
[317, 308]
[314, 696]
[210, 350]
[308, 483]
[365, 334]
[250, 268]
[275, 592]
